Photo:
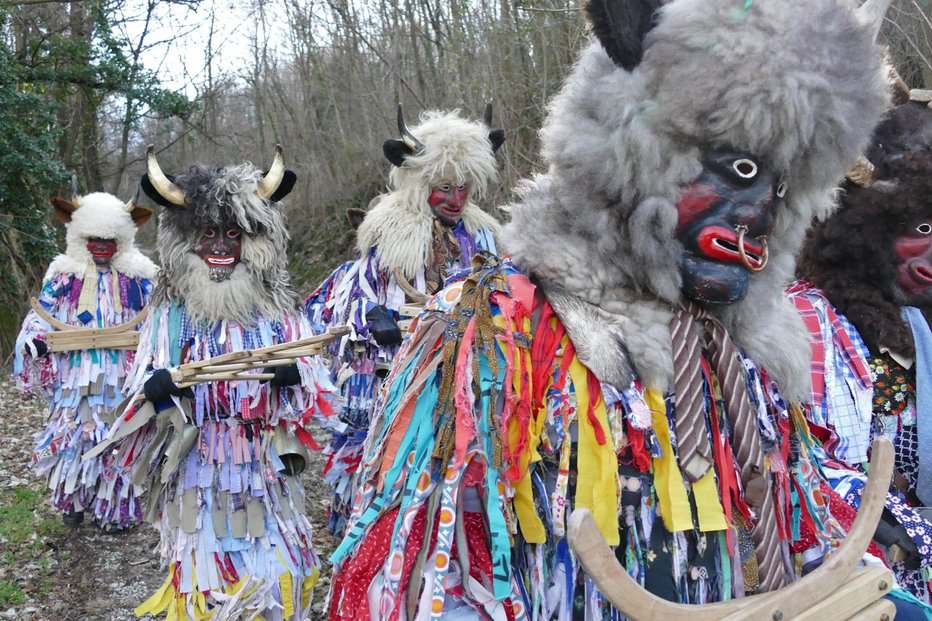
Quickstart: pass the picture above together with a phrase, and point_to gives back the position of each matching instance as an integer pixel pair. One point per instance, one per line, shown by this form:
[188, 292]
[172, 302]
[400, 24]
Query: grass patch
[10, 595]
[18, 519]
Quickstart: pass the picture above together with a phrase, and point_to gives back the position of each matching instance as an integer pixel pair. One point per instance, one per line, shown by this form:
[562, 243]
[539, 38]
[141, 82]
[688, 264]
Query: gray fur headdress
[240, 196]
[797, 83]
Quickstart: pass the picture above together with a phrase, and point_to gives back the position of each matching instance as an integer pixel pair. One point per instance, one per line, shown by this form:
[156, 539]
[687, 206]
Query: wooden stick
[224, 377]
[626, 595]
[239, 356]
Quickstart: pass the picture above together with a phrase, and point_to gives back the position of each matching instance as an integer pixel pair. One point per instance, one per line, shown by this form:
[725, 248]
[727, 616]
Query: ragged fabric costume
[866, 304]
[404, 236]
[85, 385]
[223, 487]
[638, 359]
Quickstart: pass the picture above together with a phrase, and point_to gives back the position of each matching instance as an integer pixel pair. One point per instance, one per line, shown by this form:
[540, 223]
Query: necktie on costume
[87, 303]
[746, 443]
[692, 439]
[922, 337]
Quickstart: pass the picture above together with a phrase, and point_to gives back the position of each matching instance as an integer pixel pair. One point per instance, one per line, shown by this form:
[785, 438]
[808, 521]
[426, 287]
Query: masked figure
[222, 457]
[102, 280]
[638, 358]
[866, 303]
[427, 227]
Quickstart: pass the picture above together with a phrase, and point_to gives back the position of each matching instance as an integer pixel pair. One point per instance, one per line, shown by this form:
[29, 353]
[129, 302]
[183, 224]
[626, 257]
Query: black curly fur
[850, 255]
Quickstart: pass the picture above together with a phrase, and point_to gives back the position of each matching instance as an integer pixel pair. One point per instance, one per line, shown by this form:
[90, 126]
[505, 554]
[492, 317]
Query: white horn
[273, 179]
[872, 12]
[162, 184]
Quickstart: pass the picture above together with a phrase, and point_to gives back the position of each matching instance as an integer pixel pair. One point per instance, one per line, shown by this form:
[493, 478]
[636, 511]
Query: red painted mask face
[447, 202]
[220, 247]
[102, 250]
[913, 250]
[724, 218]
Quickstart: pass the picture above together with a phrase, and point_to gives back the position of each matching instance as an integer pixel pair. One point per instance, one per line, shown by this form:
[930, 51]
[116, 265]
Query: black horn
[406, 136]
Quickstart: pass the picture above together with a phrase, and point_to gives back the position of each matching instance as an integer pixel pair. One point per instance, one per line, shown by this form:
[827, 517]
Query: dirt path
[52, 573]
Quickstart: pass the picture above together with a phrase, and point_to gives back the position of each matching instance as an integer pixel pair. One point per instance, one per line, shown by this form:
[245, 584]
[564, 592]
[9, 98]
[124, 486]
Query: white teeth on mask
[219, 261]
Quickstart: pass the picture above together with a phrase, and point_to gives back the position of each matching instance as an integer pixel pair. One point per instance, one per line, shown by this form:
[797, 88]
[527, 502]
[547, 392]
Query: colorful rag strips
[83, 387]
[345, 298]
[856, 395]
[490, 418]
[232, 521]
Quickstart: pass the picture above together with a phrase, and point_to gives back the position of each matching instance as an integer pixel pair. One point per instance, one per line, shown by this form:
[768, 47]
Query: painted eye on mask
[782, 187]
[924, 229]
[233, 233]
[745, 168]
[445, 187]
[210, 234]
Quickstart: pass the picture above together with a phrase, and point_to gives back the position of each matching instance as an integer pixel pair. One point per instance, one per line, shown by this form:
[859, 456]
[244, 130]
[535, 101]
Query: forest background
[80, 95]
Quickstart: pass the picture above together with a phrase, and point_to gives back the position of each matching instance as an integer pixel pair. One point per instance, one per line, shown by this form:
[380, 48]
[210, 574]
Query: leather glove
[890, 532]
[160, 388]
[383, 327]
[37, 348]
[284, 376]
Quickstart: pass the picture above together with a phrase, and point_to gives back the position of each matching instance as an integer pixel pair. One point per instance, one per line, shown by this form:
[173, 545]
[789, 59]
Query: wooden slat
[881, 610]
[865, 587]
[56, 342]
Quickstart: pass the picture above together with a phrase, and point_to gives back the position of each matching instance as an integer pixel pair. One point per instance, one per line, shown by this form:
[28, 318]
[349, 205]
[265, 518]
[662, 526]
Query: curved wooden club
[626, 595]
[416, 296]
[67, 327]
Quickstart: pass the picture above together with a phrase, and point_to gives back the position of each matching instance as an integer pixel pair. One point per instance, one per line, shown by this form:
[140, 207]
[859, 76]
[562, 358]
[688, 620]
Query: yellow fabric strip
[597, 465]
[532, 528]
[668, 481]
[307, 588]
[286, 584]
[708, 506]
[160, 600]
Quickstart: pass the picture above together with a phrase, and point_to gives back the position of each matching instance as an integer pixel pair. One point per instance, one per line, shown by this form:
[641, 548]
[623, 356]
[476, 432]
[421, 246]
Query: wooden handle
[626, 595]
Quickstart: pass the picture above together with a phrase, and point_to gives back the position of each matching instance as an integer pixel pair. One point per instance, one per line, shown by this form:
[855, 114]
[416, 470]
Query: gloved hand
[160, 388]
[37, 348]
[890, 532]
[383, 327]
[284, 376]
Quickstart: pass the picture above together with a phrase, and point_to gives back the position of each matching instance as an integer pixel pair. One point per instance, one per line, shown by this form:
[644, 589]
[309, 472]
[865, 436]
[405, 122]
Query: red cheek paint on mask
[696, 201]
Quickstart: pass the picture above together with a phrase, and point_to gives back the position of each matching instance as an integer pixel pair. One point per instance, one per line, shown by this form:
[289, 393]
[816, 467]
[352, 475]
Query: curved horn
[273, 178]
[75, 188]
[487, 118]
[135, 200]
[599, 561]
[162, 184]
[872, 12]
[406, 136]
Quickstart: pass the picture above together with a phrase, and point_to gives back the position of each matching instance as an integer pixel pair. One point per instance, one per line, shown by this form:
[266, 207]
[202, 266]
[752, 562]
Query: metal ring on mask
[741, 230]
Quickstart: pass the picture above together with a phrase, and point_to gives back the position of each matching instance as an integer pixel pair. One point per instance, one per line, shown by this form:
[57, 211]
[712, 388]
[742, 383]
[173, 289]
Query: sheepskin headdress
[240, 196]
[850, 255]
[104, 216]
[443, 147]
[794, 82]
